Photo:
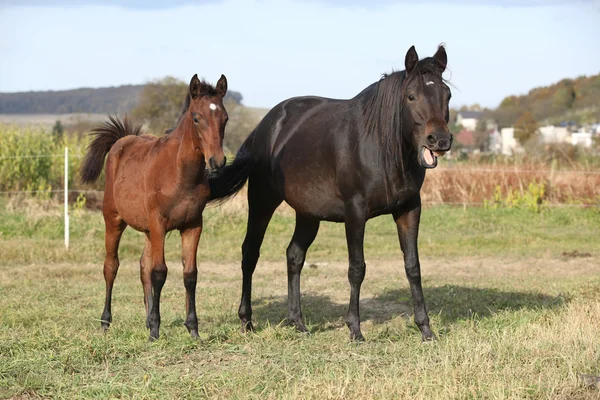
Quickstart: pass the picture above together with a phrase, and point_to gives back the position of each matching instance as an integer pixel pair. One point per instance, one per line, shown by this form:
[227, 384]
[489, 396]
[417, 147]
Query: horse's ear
[195, 86]
[222, 86]
[411, 59]
[441, 58]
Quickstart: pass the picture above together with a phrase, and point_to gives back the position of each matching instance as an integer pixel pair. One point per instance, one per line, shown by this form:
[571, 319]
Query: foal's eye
[196, 120]
[411, 97]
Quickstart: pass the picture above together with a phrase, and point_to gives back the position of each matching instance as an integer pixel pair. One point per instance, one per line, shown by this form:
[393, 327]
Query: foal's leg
[304, 234]
[189, 244]
[262, 203]
[157, 275]
[408, 231]
[355, 215]
[114, 229]
[145, 272]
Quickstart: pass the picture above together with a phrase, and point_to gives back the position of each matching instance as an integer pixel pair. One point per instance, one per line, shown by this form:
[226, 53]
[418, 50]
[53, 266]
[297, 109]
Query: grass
[36, 235]
[515, 318]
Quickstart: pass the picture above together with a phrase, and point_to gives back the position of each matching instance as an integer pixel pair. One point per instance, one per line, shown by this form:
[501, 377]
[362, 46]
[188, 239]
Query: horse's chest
[183, 209]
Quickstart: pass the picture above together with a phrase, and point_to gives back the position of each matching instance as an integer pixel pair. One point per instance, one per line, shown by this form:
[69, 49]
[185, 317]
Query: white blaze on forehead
[213, 106]
[429, 83]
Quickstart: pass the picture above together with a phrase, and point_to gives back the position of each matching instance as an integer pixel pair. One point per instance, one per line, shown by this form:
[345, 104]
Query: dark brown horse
[344, 161]
[156, 185]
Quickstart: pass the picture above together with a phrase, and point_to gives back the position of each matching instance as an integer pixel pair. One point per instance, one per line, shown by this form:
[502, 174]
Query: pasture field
[513, 295]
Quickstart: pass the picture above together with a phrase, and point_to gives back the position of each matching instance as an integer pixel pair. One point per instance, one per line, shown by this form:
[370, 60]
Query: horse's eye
[411, 97]
[196, 120]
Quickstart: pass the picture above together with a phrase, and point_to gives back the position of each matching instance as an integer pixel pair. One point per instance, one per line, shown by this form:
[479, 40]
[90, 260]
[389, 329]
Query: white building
[468, 119]
[510, 145]
[554, 134]
[581, 139]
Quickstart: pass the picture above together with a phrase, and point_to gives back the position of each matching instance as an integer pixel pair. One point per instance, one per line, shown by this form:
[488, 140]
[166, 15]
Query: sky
[271, 50]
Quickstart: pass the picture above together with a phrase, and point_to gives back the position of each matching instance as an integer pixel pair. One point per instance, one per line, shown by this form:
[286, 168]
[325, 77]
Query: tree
[161, 103]
[526, 128]
[58, 131]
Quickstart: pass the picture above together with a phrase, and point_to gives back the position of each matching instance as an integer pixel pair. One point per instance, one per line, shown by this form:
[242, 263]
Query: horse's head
[209, 117]
[425, 106]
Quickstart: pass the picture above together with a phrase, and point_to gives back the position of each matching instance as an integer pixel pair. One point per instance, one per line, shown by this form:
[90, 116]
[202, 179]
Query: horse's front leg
[407, 223]
[355, 215]
[189, 244]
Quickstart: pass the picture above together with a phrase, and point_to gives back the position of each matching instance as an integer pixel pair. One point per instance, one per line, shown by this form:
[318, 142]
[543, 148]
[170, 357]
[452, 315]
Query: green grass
[515, 318]
[37, 235]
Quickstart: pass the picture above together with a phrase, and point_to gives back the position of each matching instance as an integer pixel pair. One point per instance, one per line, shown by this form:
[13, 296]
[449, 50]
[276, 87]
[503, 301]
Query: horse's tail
[231, 178]
[106, 135]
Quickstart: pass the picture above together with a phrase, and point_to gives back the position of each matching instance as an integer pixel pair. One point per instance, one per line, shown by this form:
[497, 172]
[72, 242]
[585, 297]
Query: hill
[568, 101]
[119, 100]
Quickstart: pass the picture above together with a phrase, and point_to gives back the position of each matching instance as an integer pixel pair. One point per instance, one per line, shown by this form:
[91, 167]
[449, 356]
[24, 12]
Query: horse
[156, 185]
[344, 161]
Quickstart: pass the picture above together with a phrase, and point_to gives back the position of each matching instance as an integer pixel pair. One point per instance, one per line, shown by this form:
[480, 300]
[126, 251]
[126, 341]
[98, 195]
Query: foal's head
[425, 106]
[208, 117]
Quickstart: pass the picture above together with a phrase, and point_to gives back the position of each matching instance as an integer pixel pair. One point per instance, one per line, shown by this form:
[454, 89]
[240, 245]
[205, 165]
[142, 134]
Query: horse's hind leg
[145, 270]
[114, 229]
[189, 244]
[262, 203]
[156, 274]
[304, 234]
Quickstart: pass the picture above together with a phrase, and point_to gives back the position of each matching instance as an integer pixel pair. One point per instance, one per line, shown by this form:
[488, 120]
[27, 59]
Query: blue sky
[271, 50]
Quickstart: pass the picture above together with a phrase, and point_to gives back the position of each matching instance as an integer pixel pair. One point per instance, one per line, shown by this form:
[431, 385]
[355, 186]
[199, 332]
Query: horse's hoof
[428, 336]
[105, 327]
[247, 327]
[357, 337]
[298, 324]
[194, 334]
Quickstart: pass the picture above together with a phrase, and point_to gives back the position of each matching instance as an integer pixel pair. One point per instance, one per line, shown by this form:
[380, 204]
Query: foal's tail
[106, 135]
[231, 178]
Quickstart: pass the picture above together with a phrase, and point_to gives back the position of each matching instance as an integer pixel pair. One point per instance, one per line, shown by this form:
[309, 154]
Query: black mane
[382, 110]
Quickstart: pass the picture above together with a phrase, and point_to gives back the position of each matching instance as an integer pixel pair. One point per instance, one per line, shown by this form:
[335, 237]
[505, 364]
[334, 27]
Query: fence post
[67, 198]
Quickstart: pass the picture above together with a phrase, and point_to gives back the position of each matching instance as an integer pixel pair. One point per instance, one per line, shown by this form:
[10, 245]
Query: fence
[448, 185]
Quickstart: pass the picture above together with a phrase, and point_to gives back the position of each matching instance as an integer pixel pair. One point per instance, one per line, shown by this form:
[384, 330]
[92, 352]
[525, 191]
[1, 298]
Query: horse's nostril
[431, 140]
[211, 163]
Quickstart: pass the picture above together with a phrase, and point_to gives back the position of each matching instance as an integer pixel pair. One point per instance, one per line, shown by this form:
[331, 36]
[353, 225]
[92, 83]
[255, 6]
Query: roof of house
[465, 138]
[470, 114]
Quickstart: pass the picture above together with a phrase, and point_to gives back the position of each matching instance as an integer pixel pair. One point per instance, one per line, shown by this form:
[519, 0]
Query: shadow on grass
[451, 302]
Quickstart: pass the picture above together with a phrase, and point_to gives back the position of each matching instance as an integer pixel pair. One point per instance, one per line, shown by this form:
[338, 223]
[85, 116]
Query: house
[554, 134]
[468, 119]
[581, 138]
[510, 145]
[466, 138]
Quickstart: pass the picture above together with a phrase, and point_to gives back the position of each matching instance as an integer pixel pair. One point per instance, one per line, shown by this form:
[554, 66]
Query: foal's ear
[222, 86]
[440, 58]
[411, 59]
[195, 86]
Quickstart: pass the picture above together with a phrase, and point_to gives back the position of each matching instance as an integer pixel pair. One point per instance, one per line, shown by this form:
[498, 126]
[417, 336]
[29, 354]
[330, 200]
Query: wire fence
[444, 169]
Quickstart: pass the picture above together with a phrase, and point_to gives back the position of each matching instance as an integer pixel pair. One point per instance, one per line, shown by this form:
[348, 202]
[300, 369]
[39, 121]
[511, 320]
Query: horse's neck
[190, 160]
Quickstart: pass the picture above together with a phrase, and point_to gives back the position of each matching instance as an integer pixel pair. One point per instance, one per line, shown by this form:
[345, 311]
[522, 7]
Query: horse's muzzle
[214, 167]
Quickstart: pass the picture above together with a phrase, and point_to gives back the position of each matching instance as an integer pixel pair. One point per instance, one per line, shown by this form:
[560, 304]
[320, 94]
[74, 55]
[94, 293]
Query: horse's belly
[316, 198]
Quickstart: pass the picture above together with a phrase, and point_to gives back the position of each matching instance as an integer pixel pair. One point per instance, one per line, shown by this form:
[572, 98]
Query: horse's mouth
[429, 158]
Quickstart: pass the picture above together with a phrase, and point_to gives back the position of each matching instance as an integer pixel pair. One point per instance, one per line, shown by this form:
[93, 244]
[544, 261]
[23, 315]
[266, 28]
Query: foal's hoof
[105, 326]
[247, 326]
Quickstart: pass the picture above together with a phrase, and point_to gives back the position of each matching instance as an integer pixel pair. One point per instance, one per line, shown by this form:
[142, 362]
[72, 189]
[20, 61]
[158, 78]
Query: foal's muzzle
[214, 167]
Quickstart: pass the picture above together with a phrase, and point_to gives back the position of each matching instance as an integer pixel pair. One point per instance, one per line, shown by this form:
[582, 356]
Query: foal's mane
[206, 90]
[382, 110]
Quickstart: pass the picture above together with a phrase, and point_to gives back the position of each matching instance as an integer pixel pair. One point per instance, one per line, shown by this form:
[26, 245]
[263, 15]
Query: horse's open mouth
[429, 157]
